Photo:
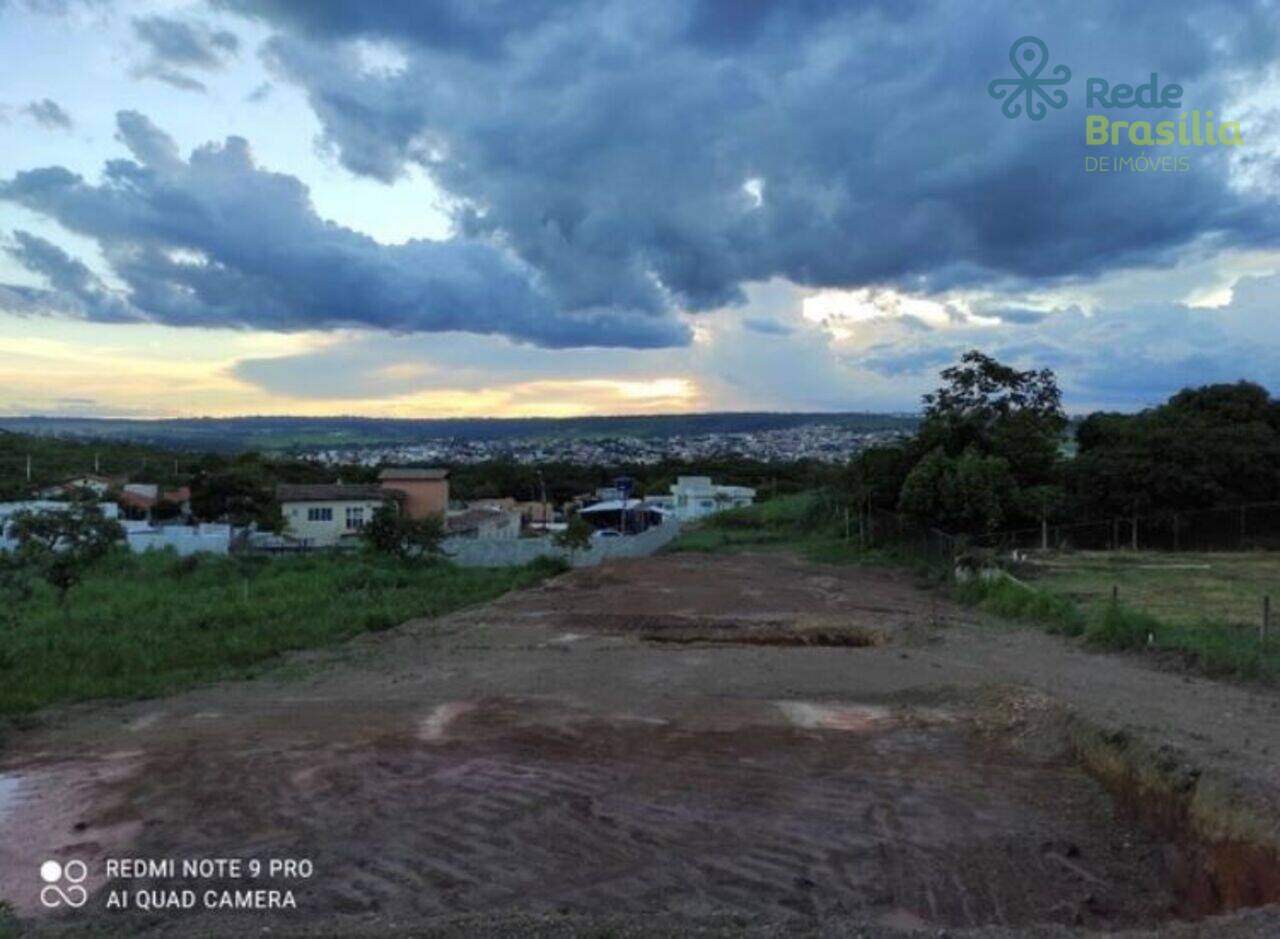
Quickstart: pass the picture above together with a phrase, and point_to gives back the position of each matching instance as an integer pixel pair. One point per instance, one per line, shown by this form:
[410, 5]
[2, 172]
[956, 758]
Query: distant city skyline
[228, 207]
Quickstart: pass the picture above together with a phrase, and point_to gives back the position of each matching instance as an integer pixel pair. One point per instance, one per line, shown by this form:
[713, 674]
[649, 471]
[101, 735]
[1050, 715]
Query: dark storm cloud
[214, 240]
[174, 45]
[48, 113]
[651, 155]
[74, 288]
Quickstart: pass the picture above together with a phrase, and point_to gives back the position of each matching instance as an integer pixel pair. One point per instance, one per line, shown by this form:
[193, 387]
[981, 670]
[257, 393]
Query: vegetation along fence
[1239, 528]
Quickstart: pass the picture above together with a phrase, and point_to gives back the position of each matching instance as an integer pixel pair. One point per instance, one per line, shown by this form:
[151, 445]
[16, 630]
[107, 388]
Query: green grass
[782, 523]
[1216, 648]
[808, 524]
[1011, 600]
[147, 625]
[1183, 588]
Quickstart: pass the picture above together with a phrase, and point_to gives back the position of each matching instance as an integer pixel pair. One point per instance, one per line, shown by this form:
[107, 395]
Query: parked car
[606, 533]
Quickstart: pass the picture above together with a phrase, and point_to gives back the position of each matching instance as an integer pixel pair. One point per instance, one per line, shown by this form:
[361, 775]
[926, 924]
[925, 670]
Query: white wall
[506, 552]
[184, 539]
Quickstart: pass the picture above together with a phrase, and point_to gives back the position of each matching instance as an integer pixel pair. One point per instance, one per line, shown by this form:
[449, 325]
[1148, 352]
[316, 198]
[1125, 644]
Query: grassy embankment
[1205, 608]
[1190, 627]
[140, 626]
[805, 523]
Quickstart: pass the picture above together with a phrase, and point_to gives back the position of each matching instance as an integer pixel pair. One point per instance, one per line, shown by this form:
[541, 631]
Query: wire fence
[1214, 568]
[880, 529]
[1253, 527]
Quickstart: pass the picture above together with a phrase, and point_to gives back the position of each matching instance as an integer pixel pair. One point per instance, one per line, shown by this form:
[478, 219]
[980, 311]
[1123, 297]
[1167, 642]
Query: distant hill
[294, 434]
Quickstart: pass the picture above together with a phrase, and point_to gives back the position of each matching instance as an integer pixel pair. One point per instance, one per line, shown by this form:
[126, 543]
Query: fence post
[1266, 619]
[1135, 533]
[1115, 594]
[1044, 533]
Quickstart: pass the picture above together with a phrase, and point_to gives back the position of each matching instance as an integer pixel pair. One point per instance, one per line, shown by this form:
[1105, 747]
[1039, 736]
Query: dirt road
[640, 747]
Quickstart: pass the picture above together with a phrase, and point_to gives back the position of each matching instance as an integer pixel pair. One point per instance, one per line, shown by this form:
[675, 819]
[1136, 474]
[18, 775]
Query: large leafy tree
[390, 531]
[61, 545]
[1218, 445]
[991, 435]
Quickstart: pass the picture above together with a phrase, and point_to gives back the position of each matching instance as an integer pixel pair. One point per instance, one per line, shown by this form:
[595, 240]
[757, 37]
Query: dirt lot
[649, 748]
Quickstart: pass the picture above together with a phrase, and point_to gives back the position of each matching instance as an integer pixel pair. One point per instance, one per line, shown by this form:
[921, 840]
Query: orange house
[426, 491]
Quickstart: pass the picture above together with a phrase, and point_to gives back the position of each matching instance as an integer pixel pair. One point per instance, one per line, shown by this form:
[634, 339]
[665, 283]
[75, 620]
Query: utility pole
[28, 467]
[95, 462]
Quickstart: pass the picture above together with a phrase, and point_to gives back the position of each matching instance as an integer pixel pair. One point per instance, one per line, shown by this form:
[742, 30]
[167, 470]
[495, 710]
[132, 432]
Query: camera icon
[62, 884]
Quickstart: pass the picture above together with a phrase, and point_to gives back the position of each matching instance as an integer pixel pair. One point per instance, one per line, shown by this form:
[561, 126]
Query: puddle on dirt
[9, 786]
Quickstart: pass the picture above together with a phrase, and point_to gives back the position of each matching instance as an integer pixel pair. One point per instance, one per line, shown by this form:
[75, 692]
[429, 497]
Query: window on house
[355, 517]
[317, 514]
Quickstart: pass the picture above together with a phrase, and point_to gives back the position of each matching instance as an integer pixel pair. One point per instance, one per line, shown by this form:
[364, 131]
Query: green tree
[968, 493]
[242, 495]
[390, 531]
[989, 434]
[574, 537]
[61, 545]
[1218, 445]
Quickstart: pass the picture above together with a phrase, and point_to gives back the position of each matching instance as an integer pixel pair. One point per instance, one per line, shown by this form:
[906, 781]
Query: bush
[377, 621]
[1216, 648]
[1123, 628]
[1003, 596]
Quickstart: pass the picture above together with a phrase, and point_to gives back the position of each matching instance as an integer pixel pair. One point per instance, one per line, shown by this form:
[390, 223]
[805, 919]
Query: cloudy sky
[468, 207]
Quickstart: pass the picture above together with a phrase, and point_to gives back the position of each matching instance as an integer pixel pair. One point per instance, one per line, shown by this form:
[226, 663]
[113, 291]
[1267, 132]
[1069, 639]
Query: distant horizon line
[532, 417]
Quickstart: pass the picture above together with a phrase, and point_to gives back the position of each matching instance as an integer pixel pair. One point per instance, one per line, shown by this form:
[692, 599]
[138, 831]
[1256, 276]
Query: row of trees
[996, 450]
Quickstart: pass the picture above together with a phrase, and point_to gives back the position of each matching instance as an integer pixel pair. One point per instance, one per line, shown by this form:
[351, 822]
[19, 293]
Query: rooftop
[409, 472]
[329, 492]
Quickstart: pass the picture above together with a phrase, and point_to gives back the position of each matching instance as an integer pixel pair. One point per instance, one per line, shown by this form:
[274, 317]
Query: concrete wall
[184, 539]
[488, 552]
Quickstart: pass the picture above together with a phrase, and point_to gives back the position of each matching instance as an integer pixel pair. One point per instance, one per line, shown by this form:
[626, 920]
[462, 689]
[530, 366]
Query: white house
[696, 496]
[320, 516]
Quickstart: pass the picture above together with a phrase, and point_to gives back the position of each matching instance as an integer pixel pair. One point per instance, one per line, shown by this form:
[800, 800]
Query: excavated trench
[721, 630]
[1220, 852]
[1224, 844]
